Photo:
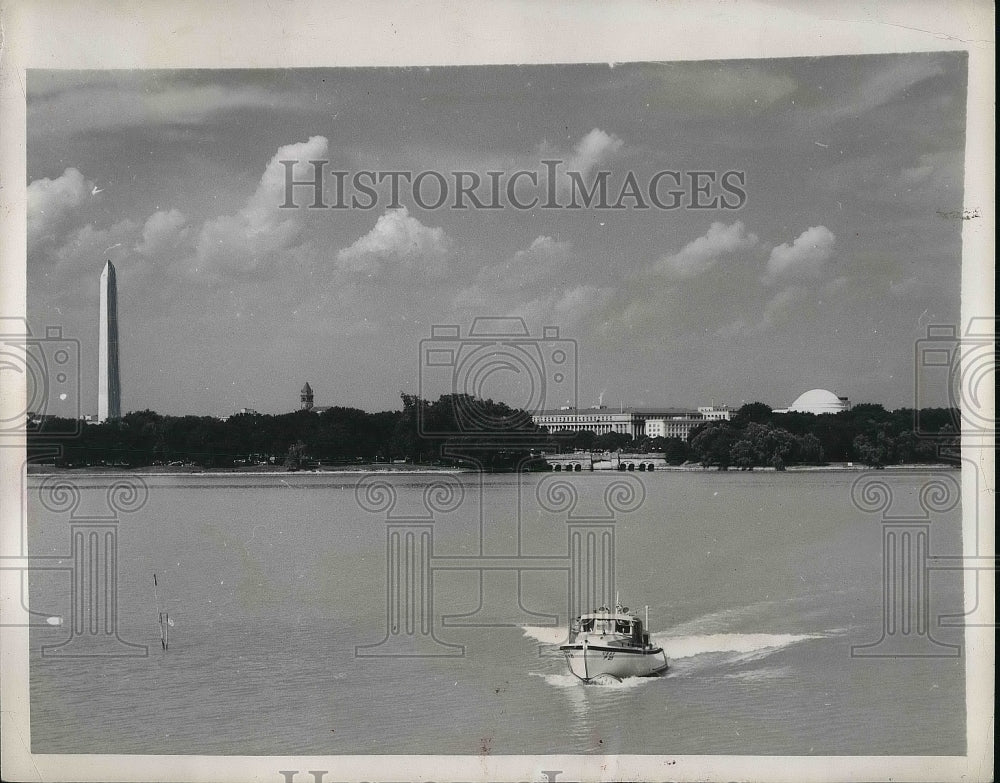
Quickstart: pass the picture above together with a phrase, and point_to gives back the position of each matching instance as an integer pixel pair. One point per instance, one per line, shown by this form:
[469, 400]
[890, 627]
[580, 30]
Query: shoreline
[833, 467]
[367, 468]
[256, 470]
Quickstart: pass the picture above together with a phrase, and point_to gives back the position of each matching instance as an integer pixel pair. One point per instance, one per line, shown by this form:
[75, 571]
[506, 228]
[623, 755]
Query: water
[757, 584]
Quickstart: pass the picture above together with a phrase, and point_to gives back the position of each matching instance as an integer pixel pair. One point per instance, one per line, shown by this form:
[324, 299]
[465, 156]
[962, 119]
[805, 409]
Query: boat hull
[594, 662]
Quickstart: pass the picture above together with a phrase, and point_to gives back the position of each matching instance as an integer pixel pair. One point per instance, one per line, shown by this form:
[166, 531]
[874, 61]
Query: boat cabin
[622, 628]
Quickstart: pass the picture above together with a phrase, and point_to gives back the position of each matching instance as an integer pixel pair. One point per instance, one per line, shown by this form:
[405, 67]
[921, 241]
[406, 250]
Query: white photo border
[82, 34]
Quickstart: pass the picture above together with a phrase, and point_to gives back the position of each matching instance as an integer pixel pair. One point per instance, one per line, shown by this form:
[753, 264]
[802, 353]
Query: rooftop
[647, 412]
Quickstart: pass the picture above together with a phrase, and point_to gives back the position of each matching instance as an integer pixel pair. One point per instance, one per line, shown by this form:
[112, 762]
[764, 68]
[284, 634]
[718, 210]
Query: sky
[823, 264]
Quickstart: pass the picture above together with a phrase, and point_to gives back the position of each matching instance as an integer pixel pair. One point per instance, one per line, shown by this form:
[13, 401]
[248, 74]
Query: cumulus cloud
[84, 252]
[262, 209]
[642, 314]
[543, 258]
[261, 227]
[784, 304]
[532, 283]
[574, 304]
[162, 231]
[543, 262]
[802, 258]
[51, 201]
[592, 150]
[704, 253]
[565, 308]
[779, 310]
[544, 247]
[399, 238]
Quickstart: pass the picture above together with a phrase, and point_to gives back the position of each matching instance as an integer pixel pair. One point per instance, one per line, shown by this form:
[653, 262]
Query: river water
[758, 586]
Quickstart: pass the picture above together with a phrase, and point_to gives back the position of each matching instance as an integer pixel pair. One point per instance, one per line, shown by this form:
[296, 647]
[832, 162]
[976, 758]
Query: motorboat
[609, 645]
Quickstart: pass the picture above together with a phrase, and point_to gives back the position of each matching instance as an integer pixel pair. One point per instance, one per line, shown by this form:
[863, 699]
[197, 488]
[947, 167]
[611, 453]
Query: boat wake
[762, 674]
[553, 636]
[689, 653]
[570, 681]
[691, 645]
[737, 647]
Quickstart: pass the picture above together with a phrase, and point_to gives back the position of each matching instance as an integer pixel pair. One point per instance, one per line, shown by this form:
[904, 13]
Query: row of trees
[456, 429]
[755, 445]
[459, 429]
[759, 437]
[867, 433]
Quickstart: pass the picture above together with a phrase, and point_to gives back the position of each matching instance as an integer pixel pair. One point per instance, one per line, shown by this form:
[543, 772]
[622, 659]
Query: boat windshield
[610, 625]
[606, 625]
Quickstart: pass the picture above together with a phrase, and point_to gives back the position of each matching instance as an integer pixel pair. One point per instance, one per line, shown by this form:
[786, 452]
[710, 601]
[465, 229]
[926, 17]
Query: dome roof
[818, 401]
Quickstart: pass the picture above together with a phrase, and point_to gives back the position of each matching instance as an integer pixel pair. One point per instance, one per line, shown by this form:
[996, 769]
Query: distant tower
[109, 389]
[306, 397]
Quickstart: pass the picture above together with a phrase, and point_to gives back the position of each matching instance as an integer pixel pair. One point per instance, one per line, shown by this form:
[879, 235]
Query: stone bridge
[613, 460]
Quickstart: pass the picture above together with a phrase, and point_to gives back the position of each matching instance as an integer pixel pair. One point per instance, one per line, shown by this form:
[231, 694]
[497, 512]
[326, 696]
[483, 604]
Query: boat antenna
[164, 617]
[647, 617]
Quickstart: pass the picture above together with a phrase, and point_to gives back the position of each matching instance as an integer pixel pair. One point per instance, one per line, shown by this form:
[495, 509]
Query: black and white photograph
[492, 395]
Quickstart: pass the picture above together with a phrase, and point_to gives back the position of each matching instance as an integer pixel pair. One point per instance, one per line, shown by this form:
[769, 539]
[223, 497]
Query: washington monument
[109, 390]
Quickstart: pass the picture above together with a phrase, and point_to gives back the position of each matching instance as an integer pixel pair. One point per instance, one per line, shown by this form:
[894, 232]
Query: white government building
[652, 422]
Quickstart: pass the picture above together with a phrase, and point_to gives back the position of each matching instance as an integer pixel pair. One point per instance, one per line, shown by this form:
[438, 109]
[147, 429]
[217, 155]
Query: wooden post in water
[163, 621]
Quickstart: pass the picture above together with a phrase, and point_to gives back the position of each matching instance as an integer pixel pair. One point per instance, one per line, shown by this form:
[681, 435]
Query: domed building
[818, 401]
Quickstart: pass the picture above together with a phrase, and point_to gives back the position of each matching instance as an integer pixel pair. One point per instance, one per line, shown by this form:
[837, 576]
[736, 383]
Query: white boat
[610, 645]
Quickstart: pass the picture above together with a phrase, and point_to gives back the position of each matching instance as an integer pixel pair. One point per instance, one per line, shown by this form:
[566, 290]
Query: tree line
[868, 434]
[756, 437]
[458, 429]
